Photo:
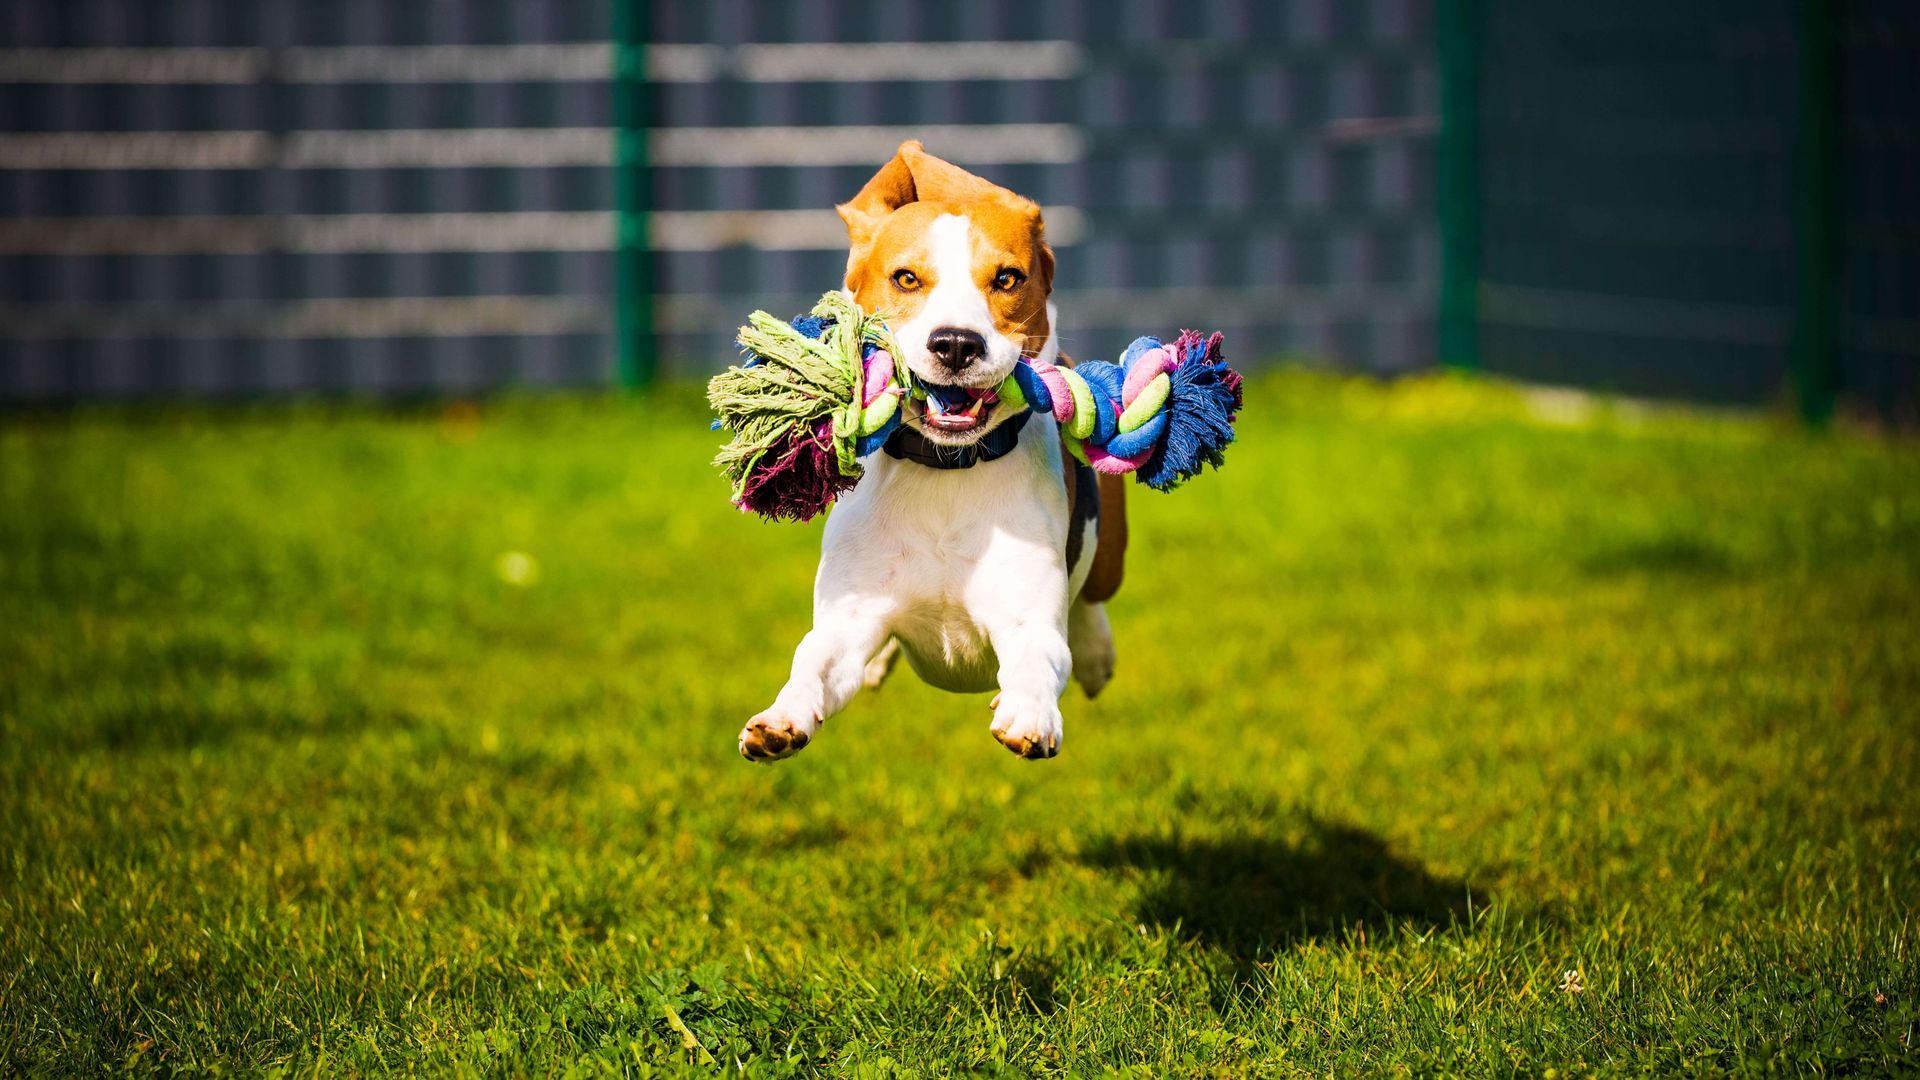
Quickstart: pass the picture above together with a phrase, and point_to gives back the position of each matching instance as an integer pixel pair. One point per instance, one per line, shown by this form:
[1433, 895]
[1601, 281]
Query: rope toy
[814, 396]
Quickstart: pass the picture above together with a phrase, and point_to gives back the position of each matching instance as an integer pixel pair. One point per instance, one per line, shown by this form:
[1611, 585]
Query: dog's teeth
[978, 403]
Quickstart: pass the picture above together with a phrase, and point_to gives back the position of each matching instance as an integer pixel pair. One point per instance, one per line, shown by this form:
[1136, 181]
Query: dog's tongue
[957, 421]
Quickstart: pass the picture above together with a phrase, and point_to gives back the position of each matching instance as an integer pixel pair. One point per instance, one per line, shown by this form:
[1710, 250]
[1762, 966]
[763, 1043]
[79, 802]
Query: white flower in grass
[517, 568]
[1571, 982]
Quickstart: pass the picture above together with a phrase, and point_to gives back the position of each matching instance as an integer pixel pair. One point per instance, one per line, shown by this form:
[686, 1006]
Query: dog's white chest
[949, 552]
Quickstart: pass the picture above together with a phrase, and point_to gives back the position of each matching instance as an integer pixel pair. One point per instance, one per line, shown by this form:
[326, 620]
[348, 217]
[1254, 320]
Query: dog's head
[961, 269]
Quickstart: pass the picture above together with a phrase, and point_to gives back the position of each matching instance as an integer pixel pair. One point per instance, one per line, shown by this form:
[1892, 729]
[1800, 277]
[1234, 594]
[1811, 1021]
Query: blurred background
[247, 198]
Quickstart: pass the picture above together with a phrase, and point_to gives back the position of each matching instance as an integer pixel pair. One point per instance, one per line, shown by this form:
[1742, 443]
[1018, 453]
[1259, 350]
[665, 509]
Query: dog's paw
[775, 734]
[1032, 729]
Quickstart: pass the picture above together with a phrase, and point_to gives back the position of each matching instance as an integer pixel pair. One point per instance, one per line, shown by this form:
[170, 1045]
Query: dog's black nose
[956, 348]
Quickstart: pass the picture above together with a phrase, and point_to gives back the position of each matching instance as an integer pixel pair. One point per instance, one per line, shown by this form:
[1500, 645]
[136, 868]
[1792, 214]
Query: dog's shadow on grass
[1251, 896]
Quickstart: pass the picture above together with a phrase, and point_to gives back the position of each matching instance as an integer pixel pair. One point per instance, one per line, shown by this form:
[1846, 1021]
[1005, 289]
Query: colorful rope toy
[816, 395]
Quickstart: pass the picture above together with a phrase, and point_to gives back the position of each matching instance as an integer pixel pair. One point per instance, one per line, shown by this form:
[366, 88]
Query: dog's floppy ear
[890, 189]
[917, 176]
[938, 180]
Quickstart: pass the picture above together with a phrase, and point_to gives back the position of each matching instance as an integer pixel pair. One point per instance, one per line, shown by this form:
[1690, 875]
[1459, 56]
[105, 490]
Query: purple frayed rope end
[802, 479]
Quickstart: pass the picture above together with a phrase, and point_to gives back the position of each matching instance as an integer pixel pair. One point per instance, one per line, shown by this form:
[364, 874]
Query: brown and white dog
[989, 576]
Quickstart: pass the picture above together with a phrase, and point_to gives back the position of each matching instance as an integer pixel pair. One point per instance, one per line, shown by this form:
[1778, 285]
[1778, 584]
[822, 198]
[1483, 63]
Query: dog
[973, 544]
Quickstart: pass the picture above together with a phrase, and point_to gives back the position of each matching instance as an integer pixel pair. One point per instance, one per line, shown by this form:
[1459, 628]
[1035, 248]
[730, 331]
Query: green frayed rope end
[797, 398]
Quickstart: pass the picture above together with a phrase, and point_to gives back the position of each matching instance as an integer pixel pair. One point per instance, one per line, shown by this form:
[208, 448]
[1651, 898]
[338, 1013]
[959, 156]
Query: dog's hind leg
[881, 664]
[827, 671]
[1090, 639]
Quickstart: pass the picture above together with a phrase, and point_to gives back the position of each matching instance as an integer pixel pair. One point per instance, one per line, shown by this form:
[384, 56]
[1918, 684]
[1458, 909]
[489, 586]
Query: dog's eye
[1008, 280]
[906, 280]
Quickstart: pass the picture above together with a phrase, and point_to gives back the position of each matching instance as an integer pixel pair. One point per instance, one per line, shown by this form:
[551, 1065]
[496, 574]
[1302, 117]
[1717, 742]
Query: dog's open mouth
[958, 409]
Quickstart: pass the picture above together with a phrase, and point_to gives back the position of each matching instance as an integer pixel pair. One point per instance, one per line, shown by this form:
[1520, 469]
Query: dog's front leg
[1034, 663]
[827, 670]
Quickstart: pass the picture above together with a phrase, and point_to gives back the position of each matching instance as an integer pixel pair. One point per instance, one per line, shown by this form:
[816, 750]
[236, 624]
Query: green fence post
[1817, 227]
[1458, 182]
[633, 284]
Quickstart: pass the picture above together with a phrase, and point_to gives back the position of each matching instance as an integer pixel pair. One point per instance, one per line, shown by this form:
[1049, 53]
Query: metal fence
[243, 197]
[257, 197]
[210, 197]
[1712, 200]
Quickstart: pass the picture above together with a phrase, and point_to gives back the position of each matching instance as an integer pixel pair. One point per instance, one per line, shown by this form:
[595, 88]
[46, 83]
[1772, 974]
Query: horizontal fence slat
[982, 144]
[797, 62]
[682, 230]
[347, 318]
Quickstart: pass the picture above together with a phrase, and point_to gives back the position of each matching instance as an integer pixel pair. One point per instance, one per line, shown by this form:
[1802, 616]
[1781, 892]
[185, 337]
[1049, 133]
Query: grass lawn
[349, 740]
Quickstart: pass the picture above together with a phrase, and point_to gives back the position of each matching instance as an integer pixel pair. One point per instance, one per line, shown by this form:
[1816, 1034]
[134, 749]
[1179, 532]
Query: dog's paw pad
[771, 737]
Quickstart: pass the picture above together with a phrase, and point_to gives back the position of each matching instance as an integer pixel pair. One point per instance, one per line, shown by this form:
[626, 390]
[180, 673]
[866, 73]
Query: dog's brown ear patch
[938, 180]
[890, 189]
[913, 175]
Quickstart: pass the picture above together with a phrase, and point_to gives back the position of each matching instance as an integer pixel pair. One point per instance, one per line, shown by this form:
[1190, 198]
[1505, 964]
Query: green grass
[1424, 701]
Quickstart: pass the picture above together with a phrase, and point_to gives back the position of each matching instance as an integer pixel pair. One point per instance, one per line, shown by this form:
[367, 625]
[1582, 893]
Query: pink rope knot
[1147, 367]
[1109, 463]
[1056, 388]
[879, 375]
